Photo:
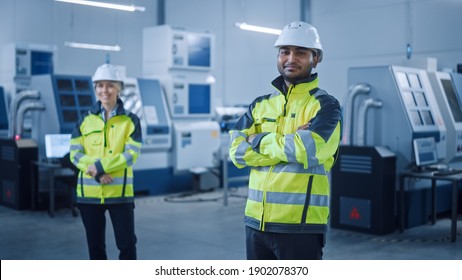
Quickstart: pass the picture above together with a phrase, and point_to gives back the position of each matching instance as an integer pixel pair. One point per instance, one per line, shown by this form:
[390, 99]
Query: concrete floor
[199, 227]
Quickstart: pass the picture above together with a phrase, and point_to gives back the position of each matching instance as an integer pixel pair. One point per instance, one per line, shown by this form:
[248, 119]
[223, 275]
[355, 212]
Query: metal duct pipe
[16, 100]
[348, 120]
[22, 111]
[365, 105]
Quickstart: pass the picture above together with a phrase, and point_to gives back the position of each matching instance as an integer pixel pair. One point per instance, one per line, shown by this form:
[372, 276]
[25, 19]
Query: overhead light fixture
[256, 28]
[128, 8]
[114, 48]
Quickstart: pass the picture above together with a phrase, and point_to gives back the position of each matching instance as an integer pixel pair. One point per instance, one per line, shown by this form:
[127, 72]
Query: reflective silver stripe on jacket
[132, 148]
[128, 158]
[76, 147]
[77, 158]
[293, 168]
[110, 200]
[255, 195]
[296, 198]
[115, 181]
[288, 198]
[310, 146]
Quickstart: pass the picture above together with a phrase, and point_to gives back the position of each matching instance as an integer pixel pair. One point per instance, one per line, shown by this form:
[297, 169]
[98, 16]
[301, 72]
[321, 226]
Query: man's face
[295, 63]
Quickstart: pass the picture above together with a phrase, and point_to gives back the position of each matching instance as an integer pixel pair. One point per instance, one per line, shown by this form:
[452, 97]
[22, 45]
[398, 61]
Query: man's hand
[251, 137]
[304, 126]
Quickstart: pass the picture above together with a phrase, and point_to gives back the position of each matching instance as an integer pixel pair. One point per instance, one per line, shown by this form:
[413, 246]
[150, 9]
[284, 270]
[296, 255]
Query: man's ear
[315, 59]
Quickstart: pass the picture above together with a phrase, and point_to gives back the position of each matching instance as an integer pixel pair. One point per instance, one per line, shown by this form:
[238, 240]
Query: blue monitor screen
[3, 111]
[199, 50]
[199, 99]
[41, 63]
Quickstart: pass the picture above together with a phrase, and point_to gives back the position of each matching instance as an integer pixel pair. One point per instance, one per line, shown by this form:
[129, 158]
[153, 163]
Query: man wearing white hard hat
[106, 142]
[289, 138]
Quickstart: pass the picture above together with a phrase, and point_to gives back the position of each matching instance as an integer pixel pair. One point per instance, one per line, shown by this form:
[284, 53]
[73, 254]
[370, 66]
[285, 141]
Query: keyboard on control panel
[447, 172]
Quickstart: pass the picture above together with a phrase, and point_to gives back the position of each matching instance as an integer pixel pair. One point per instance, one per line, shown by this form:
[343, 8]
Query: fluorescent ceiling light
[256, 28]
[114, 48]
[129, 8]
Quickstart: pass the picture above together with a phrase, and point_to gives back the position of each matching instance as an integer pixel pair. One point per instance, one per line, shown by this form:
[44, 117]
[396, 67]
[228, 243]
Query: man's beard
[294, 79]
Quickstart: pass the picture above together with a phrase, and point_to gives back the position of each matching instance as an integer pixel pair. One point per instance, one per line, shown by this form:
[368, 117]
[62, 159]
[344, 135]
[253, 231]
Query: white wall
[353, 33]
[50, 22]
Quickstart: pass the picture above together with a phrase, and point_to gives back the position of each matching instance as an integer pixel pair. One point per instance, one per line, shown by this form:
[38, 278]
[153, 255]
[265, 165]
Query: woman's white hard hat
[107, 72]
[300, 34]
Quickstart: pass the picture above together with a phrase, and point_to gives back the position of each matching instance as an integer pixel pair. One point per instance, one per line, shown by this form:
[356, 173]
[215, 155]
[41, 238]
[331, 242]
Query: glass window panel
[70, 116]
[402, 79]
[67, 100]
[64, 85]
[416, 119]
[408, 99]
[414, 80]
[82, 85]
[427, 116]
[420, 99]
[85, 100]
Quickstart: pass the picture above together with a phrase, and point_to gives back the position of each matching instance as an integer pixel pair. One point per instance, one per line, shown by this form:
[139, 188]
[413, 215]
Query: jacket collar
[96, 109]
[301, 86]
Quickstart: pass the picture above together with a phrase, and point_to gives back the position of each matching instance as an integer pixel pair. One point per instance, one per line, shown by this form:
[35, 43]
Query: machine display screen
[453, 100]
[41, 63]
[199, 99]
[425, 151]
[57, 145]
[199, 50]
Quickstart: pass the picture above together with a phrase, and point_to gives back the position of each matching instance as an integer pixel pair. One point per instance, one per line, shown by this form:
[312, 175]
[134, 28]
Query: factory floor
[200, 227]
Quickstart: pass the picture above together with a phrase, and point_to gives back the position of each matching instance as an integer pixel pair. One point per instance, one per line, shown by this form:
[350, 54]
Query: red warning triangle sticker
[354, 214]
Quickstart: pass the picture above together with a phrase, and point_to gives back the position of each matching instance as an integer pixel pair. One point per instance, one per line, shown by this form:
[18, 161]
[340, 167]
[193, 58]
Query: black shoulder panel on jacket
[327, 118]
[136, 135]
[246, 120]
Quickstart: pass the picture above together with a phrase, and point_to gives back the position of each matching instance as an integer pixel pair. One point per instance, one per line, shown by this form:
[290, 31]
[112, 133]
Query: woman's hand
[91, 170]
[106, 179]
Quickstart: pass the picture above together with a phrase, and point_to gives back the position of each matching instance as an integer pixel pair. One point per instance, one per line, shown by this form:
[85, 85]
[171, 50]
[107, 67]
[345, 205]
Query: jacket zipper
[286, 99]
[104, 151]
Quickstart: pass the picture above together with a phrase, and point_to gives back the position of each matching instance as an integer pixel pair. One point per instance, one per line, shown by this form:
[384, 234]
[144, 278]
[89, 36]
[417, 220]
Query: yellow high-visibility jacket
[113, 147]
[288, 185]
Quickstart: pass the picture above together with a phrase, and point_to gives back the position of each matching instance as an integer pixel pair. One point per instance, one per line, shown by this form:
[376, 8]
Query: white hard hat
[300, 34]
[107, 72]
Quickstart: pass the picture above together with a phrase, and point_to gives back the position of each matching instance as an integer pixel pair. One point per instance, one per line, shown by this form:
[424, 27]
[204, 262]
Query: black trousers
[123, 223]
[261, 245]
